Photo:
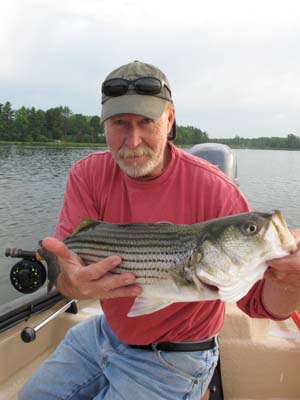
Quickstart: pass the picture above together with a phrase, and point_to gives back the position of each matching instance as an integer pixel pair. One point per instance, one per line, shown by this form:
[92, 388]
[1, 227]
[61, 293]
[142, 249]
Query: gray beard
[134, 170]
[137, 171]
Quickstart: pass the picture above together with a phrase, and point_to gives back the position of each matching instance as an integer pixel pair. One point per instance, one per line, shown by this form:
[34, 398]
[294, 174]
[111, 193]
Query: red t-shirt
[189, 190]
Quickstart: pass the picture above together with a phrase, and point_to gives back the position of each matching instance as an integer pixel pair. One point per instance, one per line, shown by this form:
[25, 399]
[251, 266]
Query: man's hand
[286, 271]
[281, 293]
[93, 281]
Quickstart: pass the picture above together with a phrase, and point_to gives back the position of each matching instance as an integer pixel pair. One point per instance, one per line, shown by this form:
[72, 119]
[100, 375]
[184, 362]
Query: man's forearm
[279, 300]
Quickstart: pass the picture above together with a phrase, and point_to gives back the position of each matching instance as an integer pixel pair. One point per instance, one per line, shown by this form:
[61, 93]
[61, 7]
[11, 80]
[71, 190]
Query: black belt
[187, 346]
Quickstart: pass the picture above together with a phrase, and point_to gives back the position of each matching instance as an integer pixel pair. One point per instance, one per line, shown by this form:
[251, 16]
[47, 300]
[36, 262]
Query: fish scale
[143, 262]
[148, 250]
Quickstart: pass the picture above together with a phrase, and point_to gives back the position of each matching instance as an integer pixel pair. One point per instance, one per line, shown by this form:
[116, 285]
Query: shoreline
[104, 146]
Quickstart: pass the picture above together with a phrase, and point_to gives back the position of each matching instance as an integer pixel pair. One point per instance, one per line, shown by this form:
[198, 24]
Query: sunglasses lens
[115, 87]
[118, 87]
[148, 85]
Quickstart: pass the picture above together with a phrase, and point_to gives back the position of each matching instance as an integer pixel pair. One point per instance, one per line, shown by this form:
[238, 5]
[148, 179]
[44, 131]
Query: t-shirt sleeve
[252, 304]
[78, 202]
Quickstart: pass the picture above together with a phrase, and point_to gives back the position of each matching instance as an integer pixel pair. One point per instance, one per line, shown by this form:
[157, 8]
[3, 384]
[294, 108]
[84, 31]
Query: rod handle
[19, 253]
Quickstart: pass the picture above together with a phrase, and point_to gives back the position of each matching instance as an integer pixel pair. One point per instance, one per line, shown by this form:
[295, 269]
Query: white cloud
[233, 65]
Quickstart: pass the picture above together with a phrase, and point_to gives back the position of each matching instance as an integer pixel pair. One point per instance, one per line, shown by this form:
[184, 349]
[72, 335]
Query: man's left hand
[286, 271]
[281, 291]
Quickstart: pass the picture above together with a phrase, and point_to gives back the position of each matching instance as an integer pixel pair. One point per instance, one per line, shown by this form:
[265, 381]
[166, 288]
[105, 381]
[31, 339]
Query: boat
[260, 359]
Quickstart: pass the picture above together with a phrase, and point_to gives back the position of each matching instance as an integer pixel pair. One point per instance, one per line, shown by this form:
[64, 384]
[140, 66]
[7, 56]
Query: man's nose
[133, 137]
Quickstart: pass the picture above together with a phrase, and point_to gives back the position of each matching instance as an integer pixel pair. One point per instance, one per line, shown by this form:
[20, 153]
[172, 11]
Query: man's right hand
[93, 281]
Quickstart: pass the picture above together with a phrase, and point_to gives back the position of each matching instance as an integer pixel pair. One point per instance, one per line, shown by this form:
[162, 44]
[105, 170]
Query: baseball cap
[134, 98]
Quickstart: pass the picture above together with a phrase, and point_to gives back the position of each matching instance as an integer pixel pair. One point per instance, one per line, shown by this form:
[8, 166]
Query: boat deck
[260, 359]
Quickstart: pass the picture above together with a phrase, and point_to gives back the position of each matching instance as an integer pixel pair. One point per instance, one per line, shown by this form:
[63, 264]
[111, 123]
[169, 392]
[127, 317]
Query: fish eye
[251, 228]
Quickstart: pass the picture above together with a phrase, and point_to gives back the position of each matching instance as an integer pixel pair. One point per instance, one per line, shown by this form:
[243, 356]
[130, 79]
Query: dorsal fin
[86, 223]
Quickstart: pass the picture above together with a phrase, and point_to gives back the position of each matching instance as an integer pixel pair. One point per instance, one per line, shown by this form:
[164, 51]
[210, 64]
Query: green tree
[7, 121]
[1, 122]
[79, 127]
[95, 125]
[292, 141]
[66, 114]
[38, 125]
[55, 123]
[22, 123]
[190, 135]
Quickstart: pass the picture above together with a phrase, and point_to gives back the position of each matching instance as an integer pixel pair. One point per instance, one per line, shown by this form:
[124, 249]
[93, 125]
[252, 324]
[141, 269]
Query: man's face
[139, 144]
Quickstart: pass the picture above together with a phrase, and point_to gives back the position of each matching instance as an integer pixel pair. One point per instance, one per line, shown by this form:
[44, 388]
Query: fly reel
[27, 275]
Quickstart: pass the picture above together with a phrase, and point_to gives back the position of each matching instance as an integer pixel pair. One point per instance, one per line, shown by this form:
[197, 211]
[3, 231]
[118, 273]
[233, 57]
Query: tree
[7, 121]
[293, 141]
[55, 123]
[1, 122]
[190, 135]
[79, 127]
[95, 124]
[37, 125]
[21, 123]
[59, 123]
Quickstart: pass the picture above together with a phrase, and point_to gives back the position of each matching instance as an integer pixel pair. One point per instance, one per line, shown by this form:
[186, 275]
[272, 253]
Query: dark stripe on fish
[85, 248]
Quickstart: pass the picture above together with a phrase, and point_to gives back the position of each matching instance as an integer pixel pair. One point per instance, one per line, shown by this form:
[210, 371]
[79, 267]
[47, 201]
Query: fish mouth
[286, 239]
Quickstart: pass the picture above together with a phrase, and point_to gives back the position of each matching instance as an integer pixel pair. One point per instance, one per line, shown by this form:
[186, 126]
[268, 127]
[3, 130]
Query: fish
[219, 259]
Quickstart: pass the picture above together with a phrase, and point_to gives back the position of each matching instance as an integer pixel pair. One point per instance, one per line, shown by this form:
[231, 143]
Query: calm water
[32, 182]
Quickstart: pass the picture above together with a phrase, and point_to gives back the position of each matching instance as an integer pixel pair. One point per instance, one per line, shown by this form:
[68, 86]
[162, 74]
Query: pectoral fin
[145, 305]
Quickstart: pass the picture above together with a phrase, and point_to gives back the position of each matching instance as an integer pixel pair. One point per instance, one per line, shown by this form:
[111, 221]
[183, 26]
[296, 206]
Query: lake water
[32, 182]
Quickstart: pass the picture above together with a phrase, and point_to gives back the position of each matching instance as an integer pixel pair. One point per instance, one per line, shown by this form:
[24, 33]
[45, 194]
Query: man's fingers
[119, 285]
[115, 281]
[289, 263]
[296, 234]
[97, 270]
[108, 286]
[56, 246]
[66, 256]
[130, 291]
[94, 280]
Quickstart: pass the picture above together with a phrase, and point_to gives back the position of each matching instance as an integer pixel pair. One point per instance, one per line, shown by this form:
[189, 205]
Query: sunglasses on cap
[145, 85]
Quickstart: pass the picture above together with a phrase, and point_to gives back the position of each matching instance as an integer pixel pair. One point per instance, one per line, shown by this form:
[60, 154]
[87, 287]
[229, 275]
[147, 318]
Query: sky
[233, 65]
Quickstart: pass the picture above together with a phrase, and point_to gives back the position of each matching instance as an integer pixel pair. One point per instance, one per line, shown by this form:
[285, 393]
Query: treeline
[55, 124]
[187, 135]
[291, 142]
[60, 124]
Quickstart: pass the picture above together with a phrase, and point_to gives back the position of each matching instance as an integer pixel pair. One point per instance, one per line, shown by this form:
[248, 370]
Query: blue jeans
[91, 363]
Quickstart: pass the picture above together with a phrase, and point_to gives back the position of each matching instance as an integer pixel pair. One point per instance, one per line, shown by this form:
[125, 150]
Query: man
[145, 178]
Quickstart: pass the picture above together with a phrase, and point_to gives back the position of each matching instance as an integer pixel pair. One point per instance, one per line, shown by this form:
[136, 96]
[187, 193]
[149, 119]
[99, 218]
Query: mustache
[142, 150]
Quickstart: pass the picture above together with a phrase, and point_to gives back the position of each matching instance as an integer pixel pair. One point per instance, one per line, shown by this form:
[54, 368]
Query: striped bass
[217, 259]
